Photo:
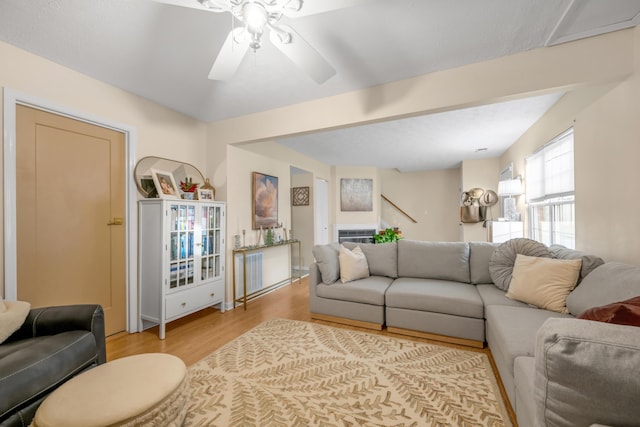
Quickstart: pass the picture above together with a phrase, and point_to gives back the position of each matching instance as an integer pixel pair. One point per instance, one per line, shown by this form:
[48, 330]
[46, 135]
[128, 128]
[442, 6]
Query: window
[550, 192]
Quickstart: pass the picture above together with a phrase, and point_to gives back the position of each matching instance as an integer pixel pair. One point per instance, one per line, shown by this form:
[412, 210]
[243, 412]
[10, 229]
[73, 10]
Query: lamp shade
[510, 187]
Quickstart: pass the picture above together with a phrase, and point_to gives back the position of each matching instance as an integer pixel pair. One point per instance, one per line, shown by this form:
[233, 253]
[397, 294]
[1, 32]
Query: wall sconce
[510, 188]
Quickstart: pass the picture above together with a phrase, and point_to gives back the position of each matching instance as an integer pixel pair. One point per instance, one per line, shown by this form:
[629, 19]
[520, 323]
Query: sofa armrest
[53, 320]
[586, 373]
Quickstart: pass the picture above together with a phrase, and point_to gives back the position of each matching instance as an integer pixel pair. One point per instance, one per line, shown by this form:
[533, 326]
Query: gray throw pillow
[503, 258]
[382, 257]
[328, 263]
[611, 282]
[589, 262]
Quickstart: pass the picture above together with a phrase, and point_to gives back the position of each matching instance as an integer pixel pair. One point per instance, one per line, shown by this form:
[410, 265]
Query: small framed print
[205, 194]
[165, 184]
[149, 187]
[300, 196]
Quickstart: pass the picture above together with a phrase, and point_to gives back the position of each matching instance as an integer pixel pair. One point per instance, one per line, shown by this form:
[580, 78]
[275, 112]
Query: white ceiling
[164, 52]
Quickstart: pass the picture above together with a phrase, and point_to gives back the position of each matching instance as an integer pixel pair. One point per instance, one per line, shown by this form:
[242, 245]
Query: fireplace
[358, 233]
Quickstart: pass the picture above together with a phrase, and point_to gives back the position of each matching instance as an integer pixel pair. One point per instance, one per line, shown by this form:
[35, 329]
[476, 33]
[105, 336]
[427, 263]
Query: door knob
[116, 221]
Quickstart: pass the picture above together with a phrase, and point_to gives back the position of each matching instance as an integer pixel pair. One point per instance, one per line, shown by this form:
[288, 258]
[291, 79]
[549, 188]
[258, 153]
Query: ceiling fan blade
[229, 57]
[302, 54]
[312, 7]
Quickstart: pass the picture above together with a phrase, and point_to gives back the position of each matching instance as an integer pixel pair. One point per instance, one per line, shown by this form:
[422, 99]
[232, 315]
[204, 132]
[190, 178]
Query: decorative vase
[188, 196]
[207, 186]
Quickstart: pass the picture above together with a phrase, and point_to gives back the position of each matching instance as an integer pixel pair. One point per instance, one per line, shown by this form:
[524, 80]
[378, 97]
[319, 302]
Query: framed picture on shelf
[265, 201]
[149, 187]
[205, 194]
[165, 184]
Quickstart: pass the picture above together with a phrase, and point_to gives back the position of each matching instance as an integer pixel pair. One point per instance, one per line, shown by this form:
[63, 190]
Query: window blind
[549, 171]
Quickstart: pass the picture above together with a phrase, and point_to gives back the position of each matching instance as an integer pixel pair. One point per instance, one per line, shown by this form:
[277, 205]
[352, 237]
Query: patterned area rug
[291, 373]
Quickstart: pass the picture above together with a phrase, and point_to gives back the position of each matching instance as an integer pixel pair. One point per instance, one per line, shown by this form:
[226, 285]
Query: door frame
[14, 98]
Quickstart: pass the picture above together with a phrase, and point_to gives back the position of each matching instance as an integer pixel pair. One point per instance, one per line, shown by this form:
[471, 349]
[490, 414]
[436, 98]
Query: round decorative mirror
[180, 171]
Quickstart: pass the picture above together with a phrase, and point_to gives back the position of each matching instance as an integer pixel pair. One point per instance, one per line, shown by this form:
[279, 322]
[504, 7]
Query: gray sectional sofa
[557, 370]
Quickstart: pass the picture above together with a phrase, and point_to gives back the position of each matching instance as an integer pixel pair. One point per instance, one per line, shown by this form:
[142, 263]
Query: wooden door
[70, 186]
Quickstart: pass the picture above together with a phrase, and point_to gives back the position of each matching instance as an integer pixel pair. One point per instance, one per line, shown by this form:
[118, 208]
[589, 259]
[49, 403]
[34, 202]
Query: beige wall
[372, 217]
[606, 135]
[431, 198]
[242, 163]
[160, 131]
[302, 219]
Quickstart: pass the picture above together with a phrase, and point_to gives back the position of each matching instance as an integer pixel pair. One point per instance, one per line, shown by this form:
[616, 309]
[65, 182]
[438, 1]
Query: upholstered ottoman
[143, 390]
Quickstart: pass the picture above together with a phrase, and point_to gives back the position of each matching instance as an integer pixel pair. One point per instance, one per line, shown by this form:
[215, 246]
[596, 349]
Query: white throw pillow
[544, 282]
[353, 264]
[12, 317]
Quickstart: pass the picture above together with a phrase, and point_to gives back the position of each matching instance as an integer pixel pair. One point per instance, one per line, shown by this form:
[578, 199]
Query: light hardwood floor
[193, 337]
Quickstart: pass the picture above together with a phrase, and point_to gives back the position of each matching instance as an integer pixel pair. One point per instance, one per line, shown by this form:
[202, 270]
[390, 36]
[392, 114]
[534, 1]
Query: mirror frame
[180, 171]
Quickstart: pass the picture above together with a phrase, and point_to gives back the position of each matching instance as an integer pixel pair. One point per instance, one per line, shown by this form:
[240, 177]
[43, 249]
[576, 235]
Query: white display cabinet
[501, 231]
[181, 258]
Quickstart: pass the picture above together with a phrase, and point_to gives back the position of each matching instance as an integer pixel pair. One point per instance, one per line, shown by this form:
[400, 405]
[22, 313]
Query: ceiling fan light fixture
[255, 17]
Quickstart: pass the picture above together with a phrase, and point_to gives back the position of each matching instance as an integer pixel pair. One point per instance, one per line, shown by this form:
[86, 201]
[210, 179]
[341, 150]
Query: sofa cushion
[609, 283]
[353, 264]
[438, 296]
[511, 331]
[434, 260]
[382, 258]
[544, 282]
[524, 368]
[589, 262]
[504, 256]
[12, 316]
[326, 257]
[367, 291]
[39, 365]
[586, 373]
[479, 257]
[493, 296]
[621, 313]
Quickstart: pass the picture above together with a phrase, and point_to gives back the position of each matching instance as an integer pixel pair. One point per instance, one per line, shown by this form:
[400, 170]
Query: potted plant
[188, 188]
[387, 236]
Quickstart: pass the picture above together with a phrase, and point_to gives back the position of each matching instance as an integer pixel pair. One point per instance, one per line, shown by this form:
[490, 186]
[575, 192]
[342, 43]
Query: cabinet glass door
[182, 242]
[211, 266]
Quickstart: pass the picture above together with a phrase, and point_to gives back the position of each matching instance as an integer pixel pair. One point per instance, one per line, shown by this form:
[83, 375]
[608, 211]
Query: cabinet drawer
[190, 300]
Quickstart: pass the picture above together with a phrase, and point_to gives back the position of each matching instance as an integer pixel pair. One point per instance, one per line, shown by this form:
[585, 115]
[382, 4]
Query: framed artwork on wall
[356, 195]
[165, 184]
[300, 196]
[265, 201]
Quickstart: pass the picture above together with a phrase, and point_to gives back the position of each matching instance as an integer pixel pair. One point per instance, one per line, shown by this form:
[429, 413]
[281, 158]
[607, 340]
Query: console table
[248, 249]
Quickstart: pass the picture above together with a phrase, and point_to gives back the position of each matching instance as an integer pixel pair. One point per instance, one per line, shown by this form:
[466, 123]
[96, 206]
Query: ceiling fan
[260, 16]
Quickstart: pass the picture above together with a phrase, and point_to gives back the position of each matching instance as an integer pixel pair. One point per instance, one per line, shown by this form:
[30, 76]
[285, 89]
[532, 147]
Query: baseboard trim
[436, 337]
[345, 321]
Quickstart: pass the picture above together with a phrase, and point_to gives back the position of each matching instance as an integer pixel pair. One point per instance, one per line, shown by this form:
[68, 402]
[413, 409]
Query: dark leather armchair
[53, 345]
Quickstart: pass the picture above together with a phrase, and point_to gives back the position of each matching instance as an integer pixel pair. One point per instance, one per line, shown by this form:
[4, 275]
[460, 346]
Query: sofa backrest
[479, 257]
[434, 260]
[382, 257]
[611, 282]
